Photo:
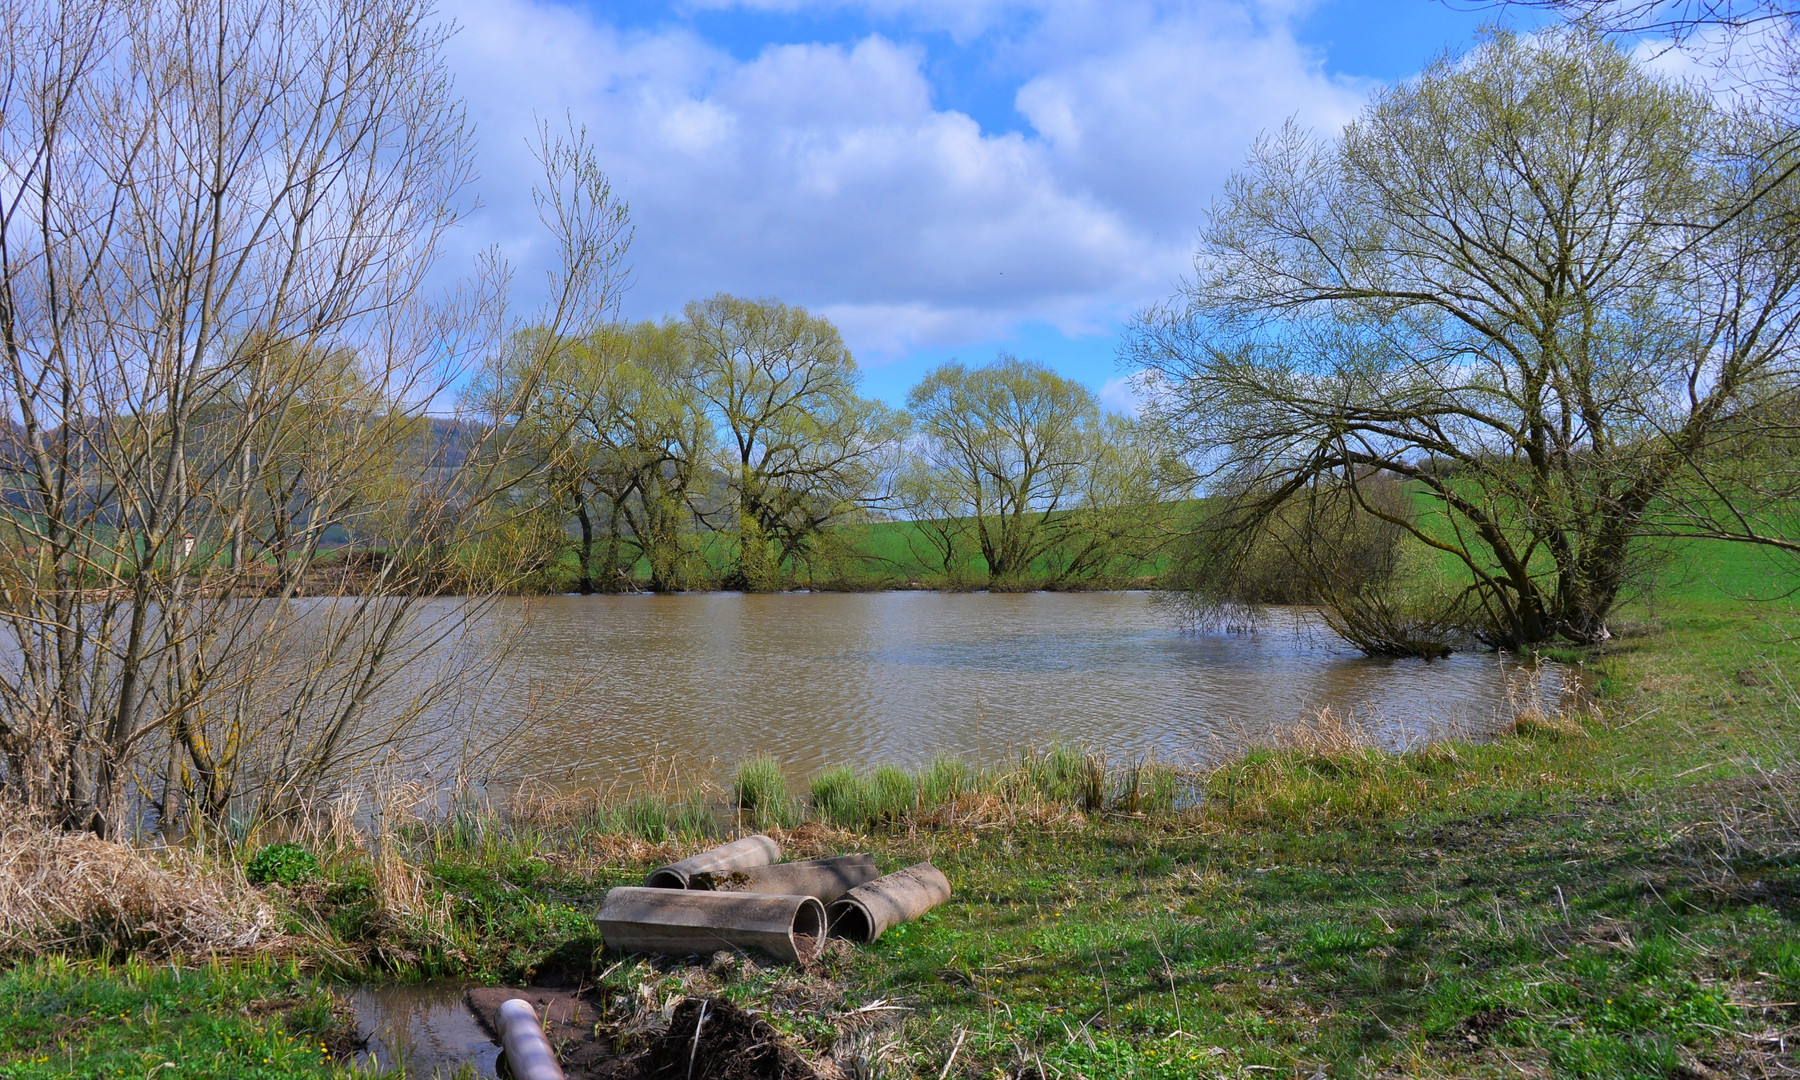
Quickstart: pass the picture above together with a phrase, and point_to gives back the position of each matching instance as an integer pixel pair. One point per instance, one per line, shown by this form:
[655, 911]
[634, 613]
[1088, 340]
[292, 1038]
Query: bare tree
[1528, 284]
[215, 225]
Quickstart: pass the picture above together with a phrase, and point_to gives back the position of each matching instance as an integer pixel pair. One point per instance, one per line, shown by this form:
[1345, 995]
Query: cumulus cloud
[1120, 395]
[827, 173]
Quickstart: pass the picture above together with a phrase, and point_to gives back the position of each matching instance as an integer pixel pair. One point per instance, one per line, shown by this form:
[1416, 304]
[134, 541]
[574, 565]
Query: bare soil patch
[731, 1045]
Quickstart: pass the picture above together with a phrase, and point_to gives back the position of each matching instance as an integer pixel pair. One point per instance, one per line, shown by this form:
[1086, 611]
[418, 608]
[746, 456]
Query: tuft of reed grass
[893, 794]
[841, 797]
[760, 790]
[944, 781]
[758, 784]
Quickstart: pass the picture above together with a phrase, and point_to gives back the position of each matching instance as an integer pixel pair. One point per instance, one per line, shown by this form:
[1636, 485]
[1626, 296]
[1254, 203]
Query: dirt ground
[731, 1044]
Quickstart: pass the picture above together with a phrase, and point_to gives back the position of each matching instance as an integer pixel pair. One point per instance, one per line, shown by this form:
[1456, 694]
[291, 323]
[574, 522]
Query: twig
[694, 1050]
[951, 1060]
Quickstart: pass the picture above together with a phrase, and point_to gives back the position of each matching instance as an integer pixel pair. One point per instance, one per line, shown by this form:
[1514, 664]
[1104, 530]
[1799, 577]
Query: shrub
[283, 864]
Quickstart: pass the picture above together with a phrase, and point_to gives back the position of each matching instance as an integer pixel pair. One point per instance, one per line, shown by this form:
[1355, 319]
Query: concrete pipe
[867, 910]
[822, 879]
[528, 1054]
[742, 854]
[688, 922]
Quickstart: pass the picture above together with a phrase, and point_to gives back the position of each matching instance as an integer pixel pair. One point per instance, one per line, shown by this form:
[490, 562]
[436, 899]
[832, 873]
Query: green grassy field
[883, 555]
[1609, 894]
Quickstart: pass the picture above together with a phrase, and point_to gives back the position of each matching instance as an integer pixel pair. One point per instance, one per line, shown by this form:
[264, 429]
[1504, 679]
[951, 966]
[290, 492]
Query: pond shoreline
[1559, 900]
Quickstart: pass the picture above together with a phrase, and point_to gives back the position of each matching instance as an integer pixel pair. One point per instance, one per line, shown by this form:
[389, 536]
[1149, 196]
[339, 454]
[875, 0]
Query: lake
[620, 683]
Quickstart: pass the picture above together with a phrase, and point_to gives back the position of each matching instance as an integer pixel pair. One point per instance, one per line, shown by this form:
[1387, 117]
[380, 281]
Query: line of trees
[728, 447]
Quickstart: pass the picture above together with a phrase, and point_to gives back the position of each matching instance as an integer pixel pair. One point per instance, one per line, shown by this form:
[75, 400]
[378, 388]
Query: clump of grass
[853, 800]
[758, 784]
[1535, 723]
[841, 797]
[657, 818]
[944, 781]
[1067, 774]
[760, 790]
[1150, 787]
[1326, 735]
[894, 794]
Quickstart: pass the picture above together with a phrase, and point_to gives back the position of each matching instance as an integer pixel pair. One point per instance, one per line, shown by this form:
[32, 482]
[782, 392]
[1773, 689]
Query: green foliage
[95, 1018]
[1018, 467]
[760, 789]
[841, 797]
[282, 864]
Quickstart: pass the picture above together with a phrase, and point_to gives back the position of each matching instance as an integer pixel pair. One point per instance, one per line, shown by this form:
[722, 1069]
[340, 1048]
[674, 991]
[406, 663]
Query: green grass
[759, 789]
[257, 1020]
[1561, 901]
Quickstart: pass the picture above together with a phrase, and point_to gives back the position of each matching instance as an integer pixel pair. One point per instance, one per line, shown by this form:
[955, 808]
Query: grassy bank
[1608, 893]
[870, 556]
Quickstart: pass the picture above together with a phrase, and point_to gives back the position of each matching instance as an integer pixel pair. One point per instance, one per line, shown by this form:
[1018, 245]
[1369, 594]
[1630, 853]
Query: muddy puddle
[426, 1026]
[433, 1031]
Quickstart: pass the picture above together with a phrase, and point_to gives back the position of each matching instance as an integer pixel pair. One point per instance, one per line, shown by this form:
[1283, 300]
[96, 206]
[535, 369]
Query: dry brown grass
[1326, 734]
[998, 810]
[62, 890]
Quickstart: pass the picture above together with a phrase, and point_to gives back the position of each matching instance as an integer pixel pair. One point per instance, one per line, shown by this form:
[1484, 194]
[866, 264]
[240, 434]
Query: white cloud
[825, 173]
[1121, 395]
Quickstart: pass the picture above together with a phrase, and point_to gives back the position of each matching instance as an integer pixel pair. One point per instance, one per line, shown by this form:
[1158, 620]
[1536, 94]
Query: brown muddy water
[424, 1026]
[609, 685]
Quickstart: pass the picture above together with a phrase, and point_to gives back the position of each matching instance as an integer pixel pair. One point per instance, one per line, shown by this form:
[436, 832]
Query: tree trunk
[586, 585]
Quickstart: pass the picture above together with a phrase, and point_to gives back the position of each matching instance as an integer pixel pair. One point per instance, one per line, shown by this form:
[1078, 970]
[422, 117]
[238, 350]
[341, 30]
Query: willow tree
[648, 435]
[1526, 283]
[799, 447]
[1019, 464]
[216, 353]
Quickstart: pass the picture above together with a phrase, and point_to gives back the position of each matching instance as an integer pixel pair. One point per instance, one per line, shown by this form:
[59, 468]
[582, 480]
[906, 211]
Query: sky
[941, 178]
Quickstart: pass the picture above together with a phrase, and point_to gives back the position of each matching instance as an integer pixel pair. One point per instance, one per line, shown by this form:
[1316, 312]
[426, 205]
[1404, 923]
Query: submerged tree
[1528, 284]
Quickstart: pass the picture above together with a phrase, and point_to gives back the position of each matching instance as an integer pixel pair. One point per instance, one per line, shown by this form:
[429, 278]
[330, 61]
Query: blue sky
[943, 178]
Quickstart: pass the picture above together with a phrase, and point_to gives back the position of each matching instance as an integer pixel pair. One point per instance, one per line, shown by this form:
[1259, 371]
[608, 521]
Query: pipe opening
[849, 920]
[666, 879]
[809, 930]
[807, 920]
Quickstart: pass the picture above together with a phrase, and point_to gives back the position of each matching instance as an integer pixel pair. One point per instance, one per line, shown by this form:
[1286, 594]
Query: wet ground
[428, 1026]
[434, 1029]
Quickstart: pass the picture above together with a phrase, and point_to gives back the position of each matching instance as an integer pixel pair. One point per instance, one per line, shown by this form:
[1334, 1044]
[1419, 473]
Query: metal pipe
[528, 1054]
[690, 922]
[822, 879]
[867, 910]
[741, 854]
